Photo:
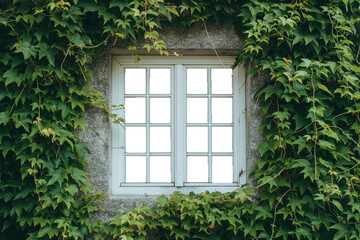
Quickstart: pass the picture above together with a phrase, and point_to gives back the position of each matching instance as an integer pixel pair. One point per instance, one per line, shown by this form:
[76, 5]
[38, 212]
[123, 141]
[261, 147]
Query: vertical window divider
[172, 122]
[180, 127]
[209, 126]
[147, 124]
[238, 145]
[118, 136]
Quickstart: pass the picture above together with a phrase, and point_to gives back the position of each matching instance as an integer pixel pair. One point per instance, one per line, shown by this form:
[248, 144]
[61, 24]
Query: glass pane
[197, 139]
[221, 110]
[221, 81]
[160, 110]
[160, 140]
[197, 169]
[197, 110]
[135, 139]
[222, 169]
[135, 169]
[159, 81]
[160, 170]
[222, 139]
[196, 80]
[135, 80]
[135, 110]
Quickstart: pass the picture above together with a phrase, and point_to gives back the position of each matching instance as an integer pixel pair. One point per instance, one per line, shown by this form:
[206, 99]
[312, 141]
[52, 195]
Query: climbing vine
[308, 171]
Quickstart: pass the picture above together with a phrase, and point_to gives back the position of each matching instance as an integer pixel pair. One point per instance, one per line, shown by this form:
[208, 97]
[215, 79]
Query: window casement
[185, 126]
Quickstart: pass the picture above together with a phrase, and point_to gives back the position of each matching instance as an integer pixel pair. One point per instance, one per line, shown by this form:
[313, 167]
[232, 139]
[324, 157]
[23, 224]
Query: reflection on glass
[222, 139]
[221, 110]
[159, 81]
[197, 139]
[135, 139]
[135, 80]
[196, 80]
[135, 169]
[160, 140]
[221, 81]
[222, 169]
[160, 110]
[160, 170]
[197, 169]
[197, 110]
[135, 110]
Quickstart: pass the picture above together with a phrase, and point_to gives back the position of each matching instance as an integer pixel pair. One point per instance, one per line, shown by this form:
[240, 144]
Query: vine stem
[273, 225]
[271, 178]
[99, 135]
[208, 36]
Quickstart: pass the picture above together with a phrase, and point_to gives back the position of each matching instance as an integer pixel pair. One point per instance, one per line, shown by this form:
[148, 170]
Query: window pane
[135, 80]
[222, 139]
[222, 169]
[159, 81]
[197, 169]
[221, 81]
[160, 110]
[196, 80]
[221, 110]
[160, 140]
[135, 110]
[135, 139]
[197, 139]
[160, 170]
[135, 169]
[197, 110]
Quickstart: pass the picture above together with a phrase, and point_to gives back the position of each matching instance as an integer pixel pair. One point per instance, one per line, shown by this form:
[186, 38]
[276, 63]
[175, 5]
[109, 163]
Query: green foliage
[308, 170]
[193, 216]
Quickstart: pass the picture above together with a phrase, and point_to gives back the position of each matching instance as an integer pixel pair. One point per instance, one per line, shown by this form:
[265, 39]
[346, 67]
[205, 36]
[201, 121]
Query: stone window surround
[188, 43]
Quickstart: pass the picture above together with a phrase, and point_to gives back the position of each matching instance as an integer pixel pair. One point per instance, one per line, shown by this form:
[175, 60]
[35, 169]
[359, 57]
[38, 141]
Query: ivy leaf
[65, 110]
[4, 21]
[12, 75]
[76, 39]
[332, 66]
[324, 88]
[26, 49]
[48, 53]
[54, 178]
[338, 205]
[4, 117]
[120, 4]
[49, 230]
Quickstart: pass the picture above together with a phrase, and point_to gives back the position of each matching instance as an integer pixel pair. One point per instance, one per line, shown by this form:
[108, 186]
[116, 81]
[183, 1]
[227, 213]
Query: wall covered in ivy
[307, 174]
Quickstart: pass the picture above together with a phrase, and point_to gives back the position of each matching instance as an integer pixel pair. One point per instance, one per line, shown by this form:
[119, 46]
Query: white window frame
[178, 65]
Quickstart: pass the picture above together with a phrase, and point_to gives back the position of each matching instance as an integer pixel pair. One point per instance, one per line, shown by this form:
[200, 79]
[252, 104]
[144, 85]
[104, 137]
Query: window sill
[140, 190]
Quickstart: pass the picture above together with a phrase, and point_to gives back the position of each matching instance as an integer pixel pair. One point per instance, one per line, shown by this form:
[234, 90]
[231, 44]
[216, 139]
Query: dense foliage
[308, 172]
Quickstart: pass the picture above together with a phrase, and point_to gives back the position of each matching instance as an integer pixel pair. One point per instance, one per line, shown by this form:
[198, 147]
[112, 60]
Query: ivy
[308, 171]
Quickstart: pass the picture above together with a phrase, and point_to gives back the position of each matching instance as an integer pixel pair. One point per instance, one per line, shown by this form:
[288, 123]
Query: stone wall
[98, 133]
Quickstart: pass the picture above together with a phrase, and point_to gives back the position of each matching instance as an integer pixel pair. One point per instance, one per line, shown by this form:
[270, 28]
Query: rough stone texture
[186, 42]
[191, 42]
[254, 118]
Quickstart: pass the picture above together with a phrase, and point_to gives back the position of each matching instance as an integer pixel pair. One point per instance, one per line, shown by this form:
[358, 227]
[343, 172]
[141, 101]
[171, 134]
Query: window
[185, 125]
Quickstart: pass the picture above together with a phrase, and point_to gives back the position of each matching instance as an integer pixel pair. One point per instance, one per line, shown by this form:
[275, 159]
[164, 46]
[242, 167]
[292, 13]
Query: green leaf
[324, 88]
[54, 178]
[26, 49]
[4, 117]
[48, 53]
[49, 230]
[13, 75]
[338, 205]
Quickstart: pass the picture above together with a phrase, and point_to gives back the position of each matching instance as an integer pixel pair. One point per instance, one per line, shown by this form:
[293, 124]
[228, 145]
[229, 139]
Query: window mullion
[120, 99]
[180, 141]
[147, 125]
[209, 126]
